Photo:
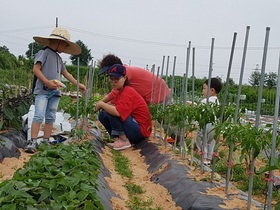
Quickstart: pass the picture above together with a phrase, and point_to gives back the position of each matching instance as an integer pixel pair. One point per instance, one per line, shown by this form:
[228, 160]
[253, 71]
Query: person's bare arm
[106, 99]
[111, 109]
[71, 79]
[38, 72]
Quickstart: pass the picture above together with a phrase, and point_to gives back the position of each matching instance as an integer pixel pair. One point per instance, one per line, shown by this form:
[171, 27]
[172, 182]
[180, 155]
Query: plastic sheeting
[61, 124]
[17, 137]
[104, 192]
[9, 144]
[186, 193]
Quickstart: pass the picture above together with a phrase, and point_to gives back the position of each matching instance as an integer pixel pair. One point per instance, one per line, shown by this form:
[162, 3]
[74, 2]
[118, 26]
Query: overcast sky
[142, 32]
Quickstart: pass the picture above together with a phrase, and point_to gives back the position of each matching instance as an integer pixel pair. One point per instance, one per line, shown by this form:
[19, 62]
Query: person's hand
[98, 105]
[59, 83]
[51, 84]
[82, 87]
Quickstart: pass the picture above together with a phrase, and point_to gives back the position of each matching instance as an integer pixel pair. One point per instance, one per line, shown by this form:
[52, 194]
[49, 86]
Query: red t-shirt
[149, 86]
[129, 102]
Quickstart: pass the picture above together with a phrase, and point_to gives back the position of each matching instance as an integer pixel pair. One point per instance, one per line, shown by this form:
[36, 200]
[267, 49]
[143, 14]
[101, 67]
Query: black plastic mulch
[186, 193]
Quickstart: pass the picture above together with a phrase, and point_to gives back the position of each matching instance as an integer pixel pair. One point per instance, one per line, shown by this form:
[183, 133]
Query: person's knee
[102, 115]
[49, 121]
[50, 118]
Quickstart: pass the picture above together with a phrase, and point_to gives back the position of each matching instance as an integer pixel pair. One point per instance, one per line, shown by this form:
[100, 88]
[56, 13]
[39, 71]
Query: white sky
[142, 32]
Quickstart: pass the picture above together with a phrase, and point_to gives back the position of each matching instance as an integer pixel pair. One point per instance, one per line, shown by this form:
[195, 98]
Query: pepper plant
[84, 111]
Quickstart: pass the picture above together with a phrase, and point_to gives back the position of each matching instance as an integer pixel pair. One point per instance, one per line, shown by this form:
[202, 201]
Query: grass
[135, 201]
[133, 189]
[121, 164]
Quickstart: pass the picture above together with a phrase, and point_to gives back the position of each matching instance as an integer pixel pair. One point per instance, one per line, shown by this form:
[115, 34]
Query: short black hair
[214, 83]
[110, 60]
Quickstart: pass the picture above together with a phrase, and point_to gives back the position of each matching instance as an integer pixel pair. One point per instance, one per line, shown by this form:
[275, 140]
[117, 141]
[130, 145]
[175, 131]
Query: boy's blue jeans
[45, 108]
[116, 127]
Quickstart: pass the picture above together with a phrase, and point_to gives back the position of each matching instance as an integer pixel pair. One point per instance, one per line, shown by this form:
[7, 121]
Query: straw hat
[60, 34]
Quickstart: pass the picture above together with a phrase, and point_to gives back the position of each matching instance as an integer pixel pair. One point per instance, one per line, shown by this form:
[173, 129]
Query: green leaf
[8, 112]
[9, 207]
[45, 194]
[82, 195]
[73, 181]
[87, 187]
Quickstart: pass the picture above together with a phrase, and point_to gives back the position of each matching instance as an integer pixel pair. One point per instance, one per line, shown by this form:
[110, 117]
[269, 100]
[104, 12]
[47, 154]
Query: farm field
[153, 191]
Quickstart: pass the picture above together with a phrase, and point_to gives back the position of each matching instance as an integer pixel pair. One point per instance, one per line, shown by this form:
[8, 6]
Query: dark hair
[110, 60]
[126, 82]
[215, 83]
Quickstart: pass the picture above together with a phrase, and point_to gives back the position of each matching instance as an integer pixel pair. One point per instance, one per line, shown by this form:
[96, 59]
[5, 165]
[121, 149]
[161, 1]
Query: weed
[139, 204]
[121, 164]
[135, 202]
[133, 189]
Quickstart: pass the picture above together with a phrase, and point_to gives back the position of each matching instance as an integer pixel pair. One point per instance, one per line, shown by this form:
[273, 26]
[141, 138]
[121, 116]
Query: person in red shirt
[128, 120]
[152, 88]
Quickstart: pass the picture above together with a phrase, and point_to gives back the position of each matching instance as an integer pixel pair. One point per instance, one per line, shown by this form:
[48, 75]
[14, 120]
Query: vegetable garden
[246, 152]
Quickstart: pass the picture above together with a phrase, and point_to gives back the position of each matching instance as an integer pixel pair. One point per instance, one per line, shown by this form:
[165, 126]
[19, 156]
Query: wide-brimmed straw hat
[60, 34]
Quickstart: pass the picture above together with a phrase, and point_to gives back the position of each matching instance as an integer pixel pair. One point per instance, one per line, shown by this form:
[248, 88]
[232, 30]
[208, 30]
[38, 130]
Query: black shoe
[31, 147]
[45, 141]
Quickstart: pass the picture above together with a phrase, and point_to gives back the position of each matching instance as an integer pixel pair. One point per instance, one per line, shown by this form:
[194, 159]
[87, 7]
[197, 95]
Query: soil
[158, 193]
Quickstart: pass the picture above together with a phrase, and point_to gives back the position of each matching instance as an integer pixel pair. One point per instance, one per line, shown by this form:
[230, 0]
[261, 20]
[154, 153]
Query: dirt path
[10, 165]
[159, 195]
[157, 192]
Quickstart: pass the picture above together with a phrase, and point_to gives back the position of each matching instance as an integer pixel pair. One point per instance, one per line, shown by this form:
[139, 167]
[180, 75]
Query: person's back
[152, 88]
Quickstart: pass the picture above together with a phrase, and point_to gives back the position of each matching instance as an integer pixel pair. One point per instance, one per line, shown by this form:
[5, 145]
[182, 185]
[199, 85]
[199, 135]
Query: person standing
[48, 68]
[208, 148]
[128, 120]
[152, 88]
